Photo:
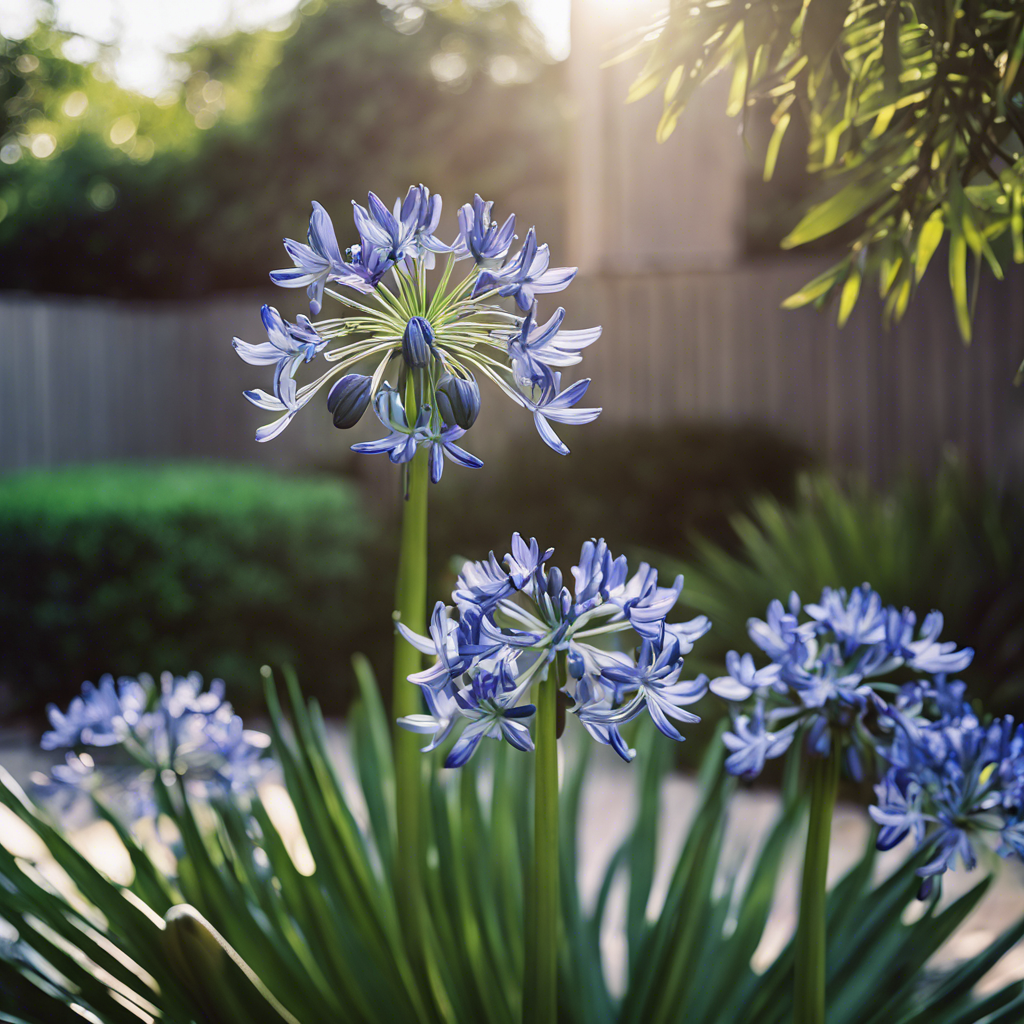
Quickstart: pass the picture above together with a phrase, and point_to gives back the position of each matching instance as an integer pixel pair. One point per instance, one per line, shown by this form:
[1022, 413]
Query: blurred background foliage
[955, 544]
[190, 192]
[912, 119]
[205, 566]
[221, 569]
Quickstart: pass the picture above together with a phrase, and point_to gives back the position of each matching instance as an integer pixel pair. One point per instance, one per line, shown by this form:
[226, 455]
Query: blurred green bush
[205, 566]
[955, 544]
[346, 96]
[642, 488]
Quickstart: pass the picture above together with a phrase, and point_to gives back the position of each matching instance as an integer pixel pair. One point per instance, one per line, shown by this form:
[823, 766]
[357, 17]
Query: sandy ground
[608, 807]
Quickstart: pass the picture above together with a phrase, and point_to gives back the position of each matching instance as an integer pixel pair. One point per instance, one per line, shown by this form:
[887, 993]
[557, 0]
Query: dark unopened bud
[417, 342]
[554, 581]
[577, 667]
[458, 400]
[348, 399]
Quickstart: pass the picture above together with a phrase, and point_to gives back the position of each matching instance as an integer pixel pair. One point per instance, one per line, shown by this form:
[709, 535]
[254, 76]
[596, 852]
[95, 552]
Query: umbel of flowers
[519, 642]
[121, 737]
[513, 623]
[829, 676]
[830, 681]
[432, 342]
[953, 781]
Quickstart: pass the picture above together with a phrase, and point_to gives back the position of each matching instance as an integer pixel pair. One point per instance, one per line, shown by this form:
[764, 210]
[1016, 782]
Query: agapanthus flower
[316, 263]
[424, 212]
[120, 735]
[829, 676]
[458, 400]
[534, 348]
[290, 346]
[547, 402]
[438, 338]
[480, 237]
[954, 784]
[511, 623]
[404, 438]
[751, 743]
[527, 275]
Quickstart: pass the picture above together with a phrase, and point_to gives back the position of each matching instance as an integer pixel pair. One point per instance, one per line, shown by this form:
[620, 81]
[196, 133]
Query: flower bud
[458, 401]
[417, 342]
[554, 581]
[575, 663]
[348, 399]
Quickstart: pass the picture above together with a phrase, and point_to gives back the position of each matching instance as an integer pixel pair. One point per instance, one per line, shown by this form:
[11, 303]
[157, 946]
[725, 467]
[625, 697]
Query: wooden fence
[88, 379]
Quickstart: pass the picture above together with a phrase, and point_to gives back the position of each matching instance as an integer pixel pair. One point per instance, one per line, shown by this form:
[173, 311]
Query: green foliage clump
[235, 931]
[916, 112]
[351, 95]
[214, 568]
[955, 544]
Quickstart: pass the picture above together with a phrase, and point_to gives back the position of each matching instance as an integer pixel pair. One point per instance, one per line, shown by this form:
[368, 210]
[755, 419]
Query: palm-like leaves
[916, 107]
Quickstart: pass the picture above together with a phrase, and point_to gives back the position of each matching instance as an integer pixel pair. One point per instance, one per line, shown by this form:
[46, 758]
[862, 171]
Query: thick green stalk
[410, 601]
[540, 993]
[809, 945]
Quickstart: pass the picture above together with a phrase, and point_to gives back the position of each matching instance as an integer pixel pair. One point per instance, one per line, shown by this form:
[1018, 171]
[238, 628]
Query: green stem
[540, 994]
[410, 601]
[809, 945]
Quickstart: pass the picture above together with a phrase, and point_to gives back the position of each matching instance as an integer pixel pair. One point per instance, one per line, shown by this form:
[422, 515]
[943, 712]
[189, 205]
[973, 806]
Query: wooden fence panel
[88, 379]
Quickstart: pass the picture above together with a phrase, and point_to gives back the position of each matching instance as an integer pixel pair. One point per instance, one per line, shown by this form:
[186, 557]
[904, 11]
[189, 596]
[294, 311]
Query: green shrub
[956, 544]
[639, 487]
[217, 568]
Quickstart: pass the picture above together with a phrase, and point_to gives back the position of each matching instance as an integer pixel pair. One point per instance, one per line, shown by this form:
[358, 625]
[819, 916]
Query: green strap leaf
[958, 279]
[840, 209]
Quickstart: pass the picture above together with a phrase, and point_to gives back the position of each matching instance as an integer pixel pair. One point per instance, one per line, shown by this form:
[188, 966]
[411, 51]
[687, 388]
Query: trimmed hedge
[223, 568]
[217, 568]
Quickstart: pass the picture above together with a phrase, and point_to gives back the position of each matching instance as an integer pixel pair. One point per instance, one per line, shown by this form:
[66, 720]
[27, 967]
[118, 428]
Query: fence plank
[92, 379]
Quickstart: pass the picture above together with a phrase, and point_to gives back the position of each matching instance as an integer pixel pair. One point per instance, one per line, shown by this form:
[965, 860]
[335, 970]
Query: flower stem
[540, 995]
[809, 945]
[410, 600]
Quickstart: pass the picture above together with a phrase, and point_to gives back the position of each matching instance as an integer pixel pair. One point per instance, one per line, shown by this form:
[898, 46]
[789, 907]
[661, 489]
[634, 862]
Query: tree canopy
[107, 192]
[915, 119]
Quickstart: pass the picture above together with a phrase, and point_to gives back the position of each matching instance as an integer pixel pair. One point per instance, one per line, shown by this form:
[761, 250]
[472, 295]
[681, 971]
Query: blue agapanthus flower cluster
[435, 340]
[513, 622]
[121, 733]
[826, 676]
[953, 783]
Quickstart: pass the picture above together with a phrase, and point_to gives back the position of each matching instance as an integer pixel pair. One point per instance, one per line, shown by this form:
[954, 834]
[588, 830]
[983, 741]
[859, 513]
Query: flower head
[953, 784]
[516, 620]
[145, 728]
[441, 337]
[827, 676]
